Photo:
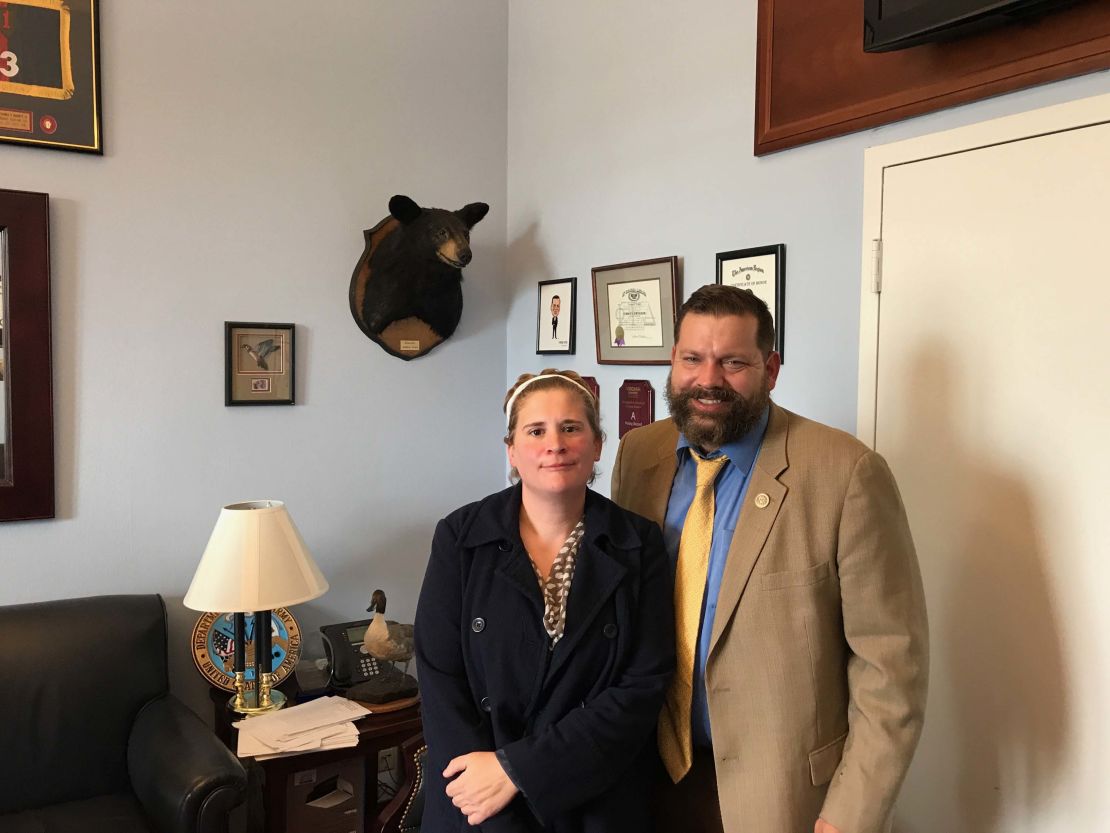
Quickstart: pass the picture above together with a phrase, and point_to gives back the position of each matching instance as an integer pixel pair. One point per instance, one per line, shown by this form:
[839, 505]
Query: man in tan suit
[804, 625]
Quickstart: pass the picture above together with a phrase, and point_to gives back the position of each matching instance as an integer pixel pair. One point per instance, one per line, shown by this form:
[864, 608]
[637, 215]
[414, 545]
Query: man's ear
[472, 213]
[773, 365]
[404, 209]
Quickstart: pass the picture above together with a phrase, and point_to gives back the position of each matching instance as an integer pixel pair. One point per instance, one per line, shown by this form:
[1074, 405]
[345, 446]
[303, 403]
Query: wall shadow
[526, 259]
[997, 729]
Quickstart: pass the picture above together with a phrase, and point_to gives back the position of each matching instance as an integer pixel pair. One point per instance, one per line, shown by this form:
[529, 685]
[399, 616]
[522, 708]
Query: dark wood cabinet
[271, 778]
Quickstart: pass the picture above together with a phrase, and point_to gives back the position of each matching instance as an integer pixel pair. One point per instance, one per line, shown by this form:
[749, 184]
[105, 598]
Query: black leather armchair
[90, 738]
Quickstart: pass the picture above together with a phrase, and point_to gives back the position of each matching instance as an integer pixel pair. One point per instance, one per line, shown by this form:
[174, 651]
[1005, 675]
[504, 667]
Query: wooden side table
[376, 732]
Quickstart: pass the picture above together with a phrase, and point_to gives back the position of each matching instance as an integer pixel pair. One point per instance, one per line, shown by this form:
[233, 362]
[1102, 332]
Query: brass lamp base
[250, 707]
[266, 698]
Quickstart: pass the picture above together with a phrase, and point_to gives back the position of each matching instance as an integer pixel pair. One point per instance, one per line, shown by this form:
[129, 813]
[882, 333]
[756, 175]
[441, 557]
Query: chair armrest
[186, 780]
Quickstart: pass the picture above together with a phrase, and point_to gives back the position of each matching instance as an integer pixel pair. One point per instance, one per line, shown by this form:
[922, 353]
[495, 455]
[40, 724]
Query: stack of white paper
[324, 723]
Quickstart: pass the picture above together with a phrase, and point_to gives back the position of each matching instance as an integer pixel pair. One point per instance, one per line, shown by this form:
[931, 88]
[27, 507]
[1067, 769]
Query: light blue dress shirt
[729, 490]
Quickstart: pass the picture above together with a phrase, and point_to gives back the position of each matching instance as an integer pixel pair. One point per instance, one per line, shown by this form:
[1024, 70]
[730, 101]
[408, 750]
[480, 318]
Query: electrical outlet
[389, 776]
[387, 760]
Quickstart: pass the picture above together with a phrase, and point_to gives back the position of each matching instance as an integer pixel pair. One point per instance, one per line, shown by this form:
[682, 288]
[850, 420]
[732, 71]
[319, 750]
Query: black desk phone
[343, 645]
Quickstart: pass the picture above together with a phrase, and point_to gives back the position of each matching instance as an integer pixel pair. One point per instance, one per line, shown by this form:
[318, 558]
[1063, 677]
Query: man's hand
[823, 826]
[482, 789]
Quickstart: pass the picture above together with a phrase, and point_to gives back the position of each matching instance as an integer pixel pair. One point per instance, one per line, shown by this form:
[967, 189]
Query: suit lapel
[754, 524]
[649, 494]
[596, 577]
[658, 480]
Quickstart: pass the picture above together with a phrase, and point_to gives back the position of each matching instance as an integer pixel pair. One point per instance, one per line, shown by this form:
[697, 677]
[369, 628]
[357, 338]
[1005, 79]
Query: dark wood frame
[67, 103]
[779, 252]
[572, 317]
[229, 361]
[27, 478]
[797, 101]
[638, 355]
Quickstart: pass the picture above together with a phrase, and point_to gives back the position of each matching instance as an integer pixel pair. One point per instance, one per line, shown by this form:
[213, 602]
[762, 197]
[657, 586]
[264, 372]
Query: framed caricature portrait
[634, 311]
[259, 363]
[556, 309]
[762, 271]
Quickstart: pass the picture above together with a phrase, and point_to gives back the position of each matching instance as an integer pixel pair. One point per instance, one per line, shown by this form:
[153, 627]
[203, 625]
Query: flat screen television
[898, 24]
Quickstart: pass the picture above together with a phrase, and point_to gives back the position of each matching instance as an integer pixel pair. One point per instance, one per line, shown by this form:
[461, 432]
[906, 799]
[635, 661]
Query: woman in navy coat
[544, 638]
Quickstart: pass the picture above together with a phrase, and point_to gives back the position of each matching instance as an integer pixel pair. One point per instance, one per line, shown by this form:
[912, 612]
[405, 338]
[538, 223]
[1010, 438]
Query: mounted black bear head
[406, 290]
[448, 231]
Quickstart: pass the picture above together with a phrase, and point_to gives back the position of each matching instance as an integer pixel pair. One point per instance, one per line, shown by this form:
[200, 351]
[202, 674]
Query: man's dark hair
[717, 300]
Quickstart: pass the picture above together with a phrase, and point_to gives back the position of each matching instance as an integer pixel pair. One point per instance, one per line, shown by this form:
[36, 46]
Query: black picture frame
[762, 271]
[566, 290]
[654, 287]
[27, 443]
[52, 98]
[259, 363]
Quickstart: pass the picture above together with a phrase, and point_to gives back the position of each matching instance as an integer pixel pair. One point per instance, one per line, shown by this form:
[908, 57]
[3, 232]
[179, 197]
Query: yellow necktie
[675, 744]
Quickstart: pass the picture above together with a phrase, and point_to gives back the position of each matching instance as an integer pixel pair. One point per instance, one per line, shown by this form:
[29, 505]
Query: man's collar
[741, 453]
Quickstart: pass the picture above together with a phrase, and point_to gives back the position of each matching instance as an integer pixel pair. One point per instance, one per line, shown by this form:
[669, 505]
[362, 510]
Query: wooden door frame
[1071, 115]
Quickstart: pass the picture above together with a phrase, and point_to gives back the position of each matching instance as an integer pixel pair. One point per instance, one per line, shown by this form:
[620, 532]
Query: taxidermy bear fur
[412, 268]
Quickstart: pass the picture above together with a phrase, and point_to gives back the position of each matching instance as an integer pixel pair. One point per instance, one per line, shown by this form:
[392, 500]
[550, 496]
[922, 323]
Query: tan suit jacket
[818, 663]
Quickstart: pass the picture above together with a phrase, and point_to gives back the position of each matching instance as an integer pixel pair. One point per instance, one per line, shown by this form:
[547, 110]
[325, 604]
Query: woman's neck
[550, 518]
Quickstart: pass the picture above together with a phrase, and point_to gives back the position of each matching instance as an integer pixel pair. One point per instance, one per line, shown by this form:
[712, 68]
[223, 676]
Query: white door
[985, 381]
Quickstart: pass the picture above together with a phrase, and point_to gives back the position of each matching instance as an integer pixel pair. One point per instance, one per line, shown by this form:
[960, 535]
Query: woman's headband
[526, 383]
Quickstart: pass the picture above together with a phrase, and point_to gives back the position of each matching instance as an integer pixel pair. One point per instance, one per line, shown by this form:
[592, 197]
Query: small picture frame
[259, 363]
[762, 271]
[634, 311]
[556, 311]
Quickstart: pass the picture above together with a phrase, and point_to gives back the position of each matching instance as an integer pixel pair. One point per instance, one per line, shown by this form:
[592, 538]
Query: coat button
[505, 546]
[478, 625]
[486, 705]
[609, 630]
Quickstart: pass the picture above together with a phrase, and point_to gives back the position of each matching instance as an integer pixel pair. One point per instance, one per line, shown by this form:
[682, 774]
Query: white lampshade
[255, 560]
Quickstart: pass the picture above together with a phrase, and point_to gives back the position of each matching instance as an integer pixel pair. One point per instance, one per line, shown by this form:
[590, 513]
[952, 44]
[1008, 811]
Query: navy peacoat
[576, 723]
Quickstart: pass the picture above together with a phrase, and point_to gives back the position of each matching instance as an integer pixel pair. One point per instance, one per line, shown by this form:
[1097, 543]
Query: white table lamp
[255, 561]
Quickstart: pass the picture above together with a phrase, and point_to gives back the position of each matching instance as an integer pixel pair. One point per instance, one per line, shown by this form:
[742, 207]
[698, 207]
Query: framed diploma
[50, 74]
[761, 271]
[634, 311]
[556, 311]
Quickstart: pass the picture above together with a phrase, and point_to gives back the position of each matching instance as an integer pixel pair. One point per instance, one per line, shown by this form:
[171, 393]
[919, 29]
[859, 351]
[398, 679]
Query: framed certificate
[50, 74]
[762, 271]
[634, 311]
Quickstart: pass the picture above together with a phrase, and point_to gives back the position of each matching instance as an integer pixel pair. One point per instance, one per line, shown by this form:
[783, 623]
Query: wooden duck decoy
[389, 641]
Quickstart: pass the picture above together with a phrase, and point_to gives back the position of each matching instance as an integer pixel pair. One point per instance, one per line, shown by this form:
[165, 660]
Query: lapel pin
[762, 501]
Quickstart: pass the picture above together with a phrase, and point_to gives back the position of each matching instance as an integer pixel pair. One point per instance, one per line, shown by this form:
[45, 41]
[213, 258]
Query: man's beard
[711, 431]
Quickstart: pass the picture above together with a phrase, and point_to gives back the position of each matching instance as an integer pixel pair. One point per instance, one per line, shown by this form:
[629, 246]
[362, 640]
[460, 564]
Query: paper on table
[252, 747]
[251, 744]
[296, 721]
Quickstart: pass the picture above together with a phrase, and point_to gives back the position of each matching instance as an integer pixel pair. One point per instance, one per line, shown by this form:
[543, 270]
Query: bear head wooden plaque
[406, 290]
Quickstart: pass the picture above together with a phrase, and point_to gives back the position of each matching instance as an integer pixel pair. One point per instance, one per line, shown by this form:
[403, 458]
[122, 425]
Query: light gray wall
[248, 146]
[245, 154]
[630, 137]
